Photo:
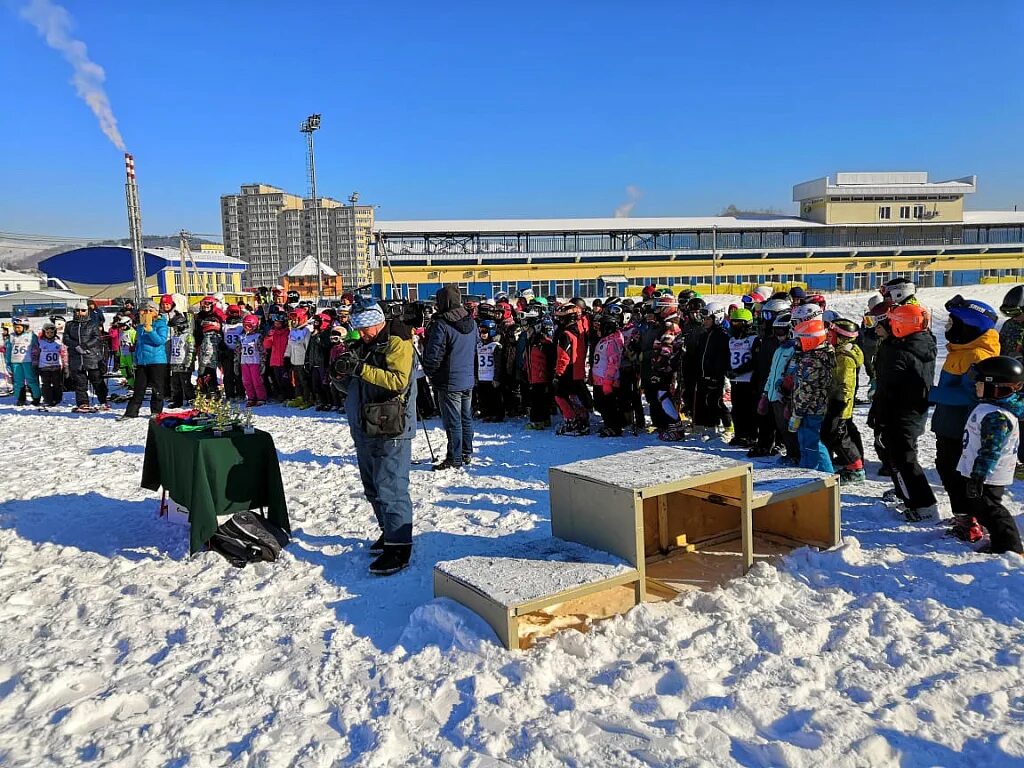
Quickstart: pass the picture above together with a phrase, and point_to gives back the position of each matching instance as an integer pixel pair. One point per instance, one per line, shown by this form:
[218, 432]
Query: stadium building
[853, 232]
[105, 271]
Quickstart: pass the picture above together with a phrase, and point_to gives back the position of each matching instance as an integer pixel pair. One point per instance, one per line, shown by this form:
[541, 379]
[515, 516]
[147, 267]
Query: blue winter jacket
[151, 346]
[449, 355]
[780, 360]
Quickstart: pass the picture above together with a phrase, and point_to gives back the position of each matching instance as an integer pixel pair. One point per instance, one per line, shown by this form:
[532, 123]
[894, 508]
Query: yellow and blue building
[105, 271]
[853, 232]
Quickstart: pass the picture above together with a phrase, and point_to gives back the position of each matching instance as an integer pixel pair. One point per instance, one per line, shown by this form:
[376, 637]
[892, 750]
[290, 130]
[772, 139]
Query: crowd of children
[776, 374]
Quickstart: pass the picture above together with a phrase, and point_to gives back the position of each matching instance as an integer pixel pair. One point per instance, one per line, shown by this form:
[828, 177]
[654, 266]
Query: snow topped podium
[642, 525]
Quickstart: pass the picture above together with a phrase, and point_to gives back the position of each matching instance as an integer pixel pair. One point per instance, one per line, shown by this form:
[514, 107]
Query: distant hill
[26, 253]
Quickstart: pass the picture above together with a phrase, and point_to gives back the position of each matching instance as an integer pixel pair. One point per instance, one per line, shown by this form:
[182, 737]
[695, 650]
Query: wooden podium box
[689, 520]
[641, 525]
[536, 589]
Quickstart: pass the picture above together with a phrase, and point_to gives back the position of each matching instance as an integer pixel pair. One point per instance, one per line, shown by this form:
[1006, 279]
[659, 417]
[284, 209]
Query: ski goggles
[959, 302]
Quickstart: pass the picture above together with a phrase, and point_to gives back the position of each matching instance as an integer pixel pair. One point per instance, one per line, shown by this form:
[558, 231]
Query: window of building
[540, 287]
[905, 211]
[588, 289]
[496, 288]
[884, 212]
[918, 211]
[463, 289]
[564, 289]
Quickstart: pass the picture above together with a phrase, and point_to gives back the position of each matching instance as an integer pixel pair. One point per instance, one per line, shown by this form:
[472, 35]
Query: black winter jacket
[712, 357]
[84, 335]
[904, 375]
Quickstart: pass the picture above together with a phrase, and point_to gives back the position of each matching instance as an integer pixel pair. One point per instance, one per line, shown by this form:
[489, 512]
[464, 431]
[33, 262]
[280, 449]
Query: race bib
[177, 350]
[250, 352]
[19, 351]
[51, 359]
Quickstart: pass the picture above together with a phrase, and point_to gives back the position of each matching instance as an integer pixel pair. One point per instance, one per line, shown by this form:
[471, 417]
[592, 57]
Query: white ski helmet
[715, 311]
[874, 300]
[764, 291]
[805, 312]
[899, 290]
[776, 305]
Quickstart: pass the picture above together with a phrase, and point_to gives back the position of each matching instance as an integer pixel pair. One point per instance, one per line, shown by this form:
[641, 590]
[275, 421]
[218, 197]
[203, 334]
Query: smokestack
[131, 191]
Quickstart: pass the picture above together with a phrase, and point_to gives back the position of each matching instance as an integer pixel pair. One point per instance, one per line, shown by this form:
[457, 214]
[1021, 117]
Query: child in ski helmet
[181, 358]
[22, 350]
[250, 359]
[812, 379]
[991, 442]
[490, 367]
[52, 364]
[743, 347]
[839, 433]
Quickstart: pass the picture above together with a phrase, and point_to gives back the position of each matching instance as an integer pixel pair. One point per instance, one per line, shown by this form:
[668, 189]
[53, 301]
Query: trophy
[221, 416]
[247, 427]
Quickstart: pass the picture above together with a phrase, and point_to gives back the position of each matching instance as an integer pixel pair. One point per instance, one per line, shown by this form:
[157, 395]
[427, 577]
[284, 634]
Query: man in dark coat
[83, 337]
[449, 359]
[712, 360]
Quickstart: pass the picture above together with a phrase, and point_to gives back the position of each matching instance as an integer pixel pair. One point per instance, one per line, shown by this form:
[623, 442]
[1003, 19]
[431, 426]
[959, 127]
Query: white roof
[882, 183]
[173, 256]
[994, 217]
[513, 226]
[307, 268]
[10, 274]
[660, 224]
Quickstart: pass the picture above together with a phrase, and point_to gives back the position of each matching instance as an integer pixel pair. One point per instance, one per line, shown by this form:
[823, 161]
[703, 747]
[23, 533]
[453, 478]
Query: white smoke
[54, 23]
[633, 195]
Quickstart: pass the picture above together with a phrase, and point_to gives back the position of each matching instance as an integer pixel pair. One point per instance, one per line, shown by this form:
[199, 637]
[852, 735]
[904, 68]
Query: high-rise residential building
[273, 230]
[252, 228]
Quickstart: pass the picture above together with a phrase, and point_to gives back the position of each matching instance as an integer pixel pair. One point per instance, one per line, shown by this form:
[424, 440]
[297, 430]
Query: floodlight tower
[308, 126]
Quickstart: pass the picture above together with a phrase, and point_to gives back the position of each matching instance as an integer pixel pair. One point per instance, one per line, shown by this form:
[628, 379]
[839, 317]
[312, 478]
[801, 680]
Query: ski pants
[789, 439]
[708, 405]
[540, 403]
[632, 404]
[283, 382]
[813, 453]
[947, 456]
[744, 409]
[82, 379]
[570, 399]
[303, 382]
[999, 523]
[659, 418]
[232, 383]
[152, 376]
[53, 385]
[488, 396]
[611, 407]
[180, 388]
[384, 469]
[252, 381]
[899, 444]
[25, 376]
[836, 435]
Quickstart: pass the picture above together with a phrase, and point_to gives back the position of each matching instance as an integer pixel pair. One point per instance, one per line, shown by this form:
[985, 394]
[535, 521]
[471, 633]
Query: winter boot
[393, 559]
[447, 464]
[892, 497]
[609, 432]
[538, 426]
[673, 433]
[851, 476]
[377, 548]
[966, 528]
[566, 427]
[921, 513]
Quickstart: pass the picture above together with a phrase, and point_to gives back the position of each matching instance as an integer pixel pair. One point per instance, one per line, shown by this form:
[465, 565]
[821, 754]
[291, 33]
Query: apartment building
[273, 231]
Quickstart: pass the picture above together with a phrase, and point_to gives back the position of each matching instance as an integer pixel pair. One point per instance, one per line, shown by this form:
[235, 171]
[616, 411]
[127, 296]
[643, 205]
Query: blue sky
[463, 110]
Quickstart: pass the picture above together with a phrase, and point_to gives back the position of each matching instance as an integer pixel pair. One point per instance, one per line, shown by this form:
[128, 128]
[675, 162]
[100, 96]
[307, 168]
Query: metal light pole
[308, 126]
[714, 258]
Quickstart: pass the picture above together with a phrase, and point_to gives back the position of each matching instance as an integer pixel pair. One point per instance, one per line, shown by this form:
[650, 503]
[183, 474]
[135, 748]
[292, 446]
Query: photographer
[381, 408]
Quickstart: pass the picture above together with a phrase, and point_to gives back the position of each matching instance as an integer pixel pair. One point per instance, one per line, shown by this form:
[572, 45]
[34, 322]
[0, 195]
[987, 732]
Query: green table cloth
[211, 475]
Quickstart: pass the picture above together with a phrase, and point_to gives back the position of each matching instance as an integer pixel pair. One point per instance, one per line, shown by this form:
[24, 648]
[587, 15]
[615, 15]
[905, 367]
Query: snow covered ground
[900, 647]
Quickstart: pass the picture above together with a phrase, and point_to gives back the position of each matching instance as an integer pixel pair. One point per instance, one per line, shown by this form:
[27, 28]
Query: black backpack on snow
[248, 538]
